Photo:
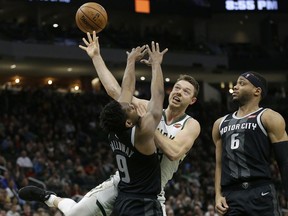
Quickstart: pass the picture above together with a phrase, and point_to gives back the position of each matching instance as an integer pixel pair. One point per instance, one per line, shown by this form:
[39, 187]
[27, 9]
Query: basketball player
[173, 142]
[244, 140]
[131, 139]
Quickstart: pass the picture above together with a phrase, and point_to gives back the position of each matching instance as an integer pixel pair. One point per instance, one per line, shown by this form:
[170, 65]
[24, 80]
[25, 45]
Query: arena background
[56, 123]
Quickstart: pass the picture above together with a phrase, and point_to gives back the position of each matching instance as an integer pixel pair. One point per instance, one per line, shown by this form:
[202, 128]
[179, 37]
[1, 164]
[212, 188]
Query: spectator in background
[26, 210]
[24, 161]
[210, 211]
[9, 185]
[13, 211]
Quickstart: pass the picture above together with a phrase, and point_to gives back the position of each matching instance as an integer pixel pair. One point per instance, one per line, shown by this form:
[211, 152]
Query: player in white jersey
[168, 166]
[175, 136]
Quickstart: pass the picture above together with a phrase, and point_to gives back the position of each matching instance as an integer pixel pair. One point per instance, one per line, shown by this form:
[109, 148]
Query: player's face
[242, 91]
[131, 112]
[182, 94]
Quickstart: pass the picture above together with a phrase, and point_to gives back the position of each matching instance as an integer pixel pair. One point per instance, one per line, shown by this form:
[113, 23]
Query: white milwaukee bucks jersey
[168, 167]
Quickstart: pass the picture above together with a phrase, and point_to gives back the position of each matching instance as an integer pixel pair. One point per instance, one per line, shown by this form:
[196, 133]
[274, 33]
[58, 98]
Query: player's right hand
[92, 45]
[221, 205]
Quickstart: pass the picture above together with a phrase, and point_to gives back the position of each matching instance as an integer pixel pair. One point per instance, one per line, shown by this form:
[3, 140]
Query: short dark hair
[191, 80]
[113, 117]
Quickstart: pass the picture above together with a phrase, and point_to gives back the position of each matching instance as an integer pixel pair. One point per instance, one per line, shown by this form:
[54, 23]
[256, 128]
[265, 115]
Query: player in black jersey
[244, 141]
[132, 140]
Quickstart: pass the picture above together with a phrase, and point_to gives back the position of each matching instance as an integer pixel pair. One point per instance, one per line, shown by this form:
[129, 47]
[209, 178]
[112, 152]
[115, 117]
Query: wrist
[96, 57]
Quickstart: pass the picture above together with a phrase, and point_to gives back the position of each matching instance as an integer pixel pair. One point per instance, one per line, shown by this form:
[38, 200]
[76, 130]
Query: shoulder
[192, 123]
[218, 121]
[271, 115]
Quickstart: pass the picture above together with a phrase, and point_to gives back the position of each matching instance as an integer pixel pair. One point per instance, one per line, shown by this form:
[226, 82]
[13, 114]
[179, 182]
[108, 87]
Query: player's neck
[173, 114]
[246, 109]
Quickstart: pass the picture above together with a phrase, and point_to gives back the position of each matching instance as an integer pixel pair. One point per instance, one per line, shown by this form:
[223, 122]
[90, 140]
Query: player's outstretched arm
[129, 80]
[155, 105]
[220, 201]
[107, 79]
[149, 122]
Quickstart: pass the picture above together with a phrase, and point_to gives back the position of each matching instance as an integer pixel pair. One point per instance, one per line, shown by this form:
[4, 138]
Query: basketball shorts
[252, 201]
[126, 205]
[99, 201]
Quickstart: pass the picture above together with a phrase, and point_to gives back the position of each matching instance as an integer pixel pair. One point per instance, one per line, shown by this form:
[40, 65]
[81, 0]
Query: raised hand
[137, 53]
[154, 54]
[92, 45]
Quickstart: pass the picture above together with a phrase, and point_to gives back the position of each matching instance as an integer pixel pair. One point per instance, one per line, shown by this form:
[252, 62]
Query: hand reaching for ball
[92, 45]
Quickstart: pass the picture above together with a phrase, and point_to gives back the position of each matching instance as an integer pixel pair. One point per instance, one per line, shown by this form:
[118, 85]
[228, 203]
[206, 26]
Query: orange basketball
[91, 17]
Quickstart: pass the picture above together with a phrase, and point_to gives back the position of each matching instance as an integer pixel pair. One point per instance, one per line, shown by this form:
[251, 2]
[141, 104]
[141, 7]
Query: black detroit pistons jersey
[168, 167]
[246, 148]
[139, 174]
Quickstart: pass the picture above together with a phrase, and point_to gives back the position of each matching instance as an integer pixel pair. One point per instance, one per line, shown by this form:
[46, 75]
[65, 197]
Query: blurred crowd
[53, 140]
[126, 36]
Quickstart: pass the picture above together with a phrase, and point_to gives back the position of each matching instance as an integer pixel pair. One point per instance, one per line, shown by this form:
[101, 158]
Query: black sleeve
[281, 155]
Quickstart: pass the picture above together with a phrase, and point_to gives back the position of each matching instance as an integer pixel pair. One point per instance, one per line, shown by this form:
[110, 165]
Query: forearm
[128, 81]
[157, 89]
[169, 147]
[218, 180]
[281, 152]
[157, 86]
[107, 79]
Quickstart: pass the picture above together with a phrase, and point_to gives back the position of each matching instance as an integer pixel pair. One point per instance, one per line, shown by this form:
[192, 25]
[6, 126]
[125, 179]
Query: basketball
[91, 17]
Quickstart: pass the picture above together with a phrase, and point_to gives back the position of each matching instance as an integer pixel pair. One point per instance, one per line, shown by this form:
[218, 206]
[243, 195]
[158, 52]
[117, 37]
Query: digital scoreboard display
[251, 5]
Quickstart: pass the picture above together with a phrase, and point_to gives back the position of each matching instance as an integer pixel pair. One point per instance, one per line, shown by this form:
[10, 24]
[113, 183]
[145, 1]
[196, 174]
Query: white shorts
[99, 201]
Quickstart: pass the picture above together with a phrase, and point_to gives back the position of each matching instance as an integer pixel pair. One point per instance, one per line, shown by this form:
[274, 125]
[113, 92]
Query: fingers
[94, 36]
[222, 207]
[148, 49]
[82, 47]
[153, 46]
[164, 51]
[89, 37]
[85, 41]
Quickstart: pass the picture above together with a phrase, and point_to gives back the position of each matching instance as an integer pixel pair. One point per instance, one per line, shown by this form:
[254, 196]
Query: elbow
[173, 156]
[113, 93]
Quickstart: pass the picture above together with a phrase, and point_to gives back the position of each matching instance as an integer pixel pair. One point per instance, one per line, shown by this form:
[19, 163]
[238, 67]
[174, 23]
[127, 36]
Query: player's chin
[234, 97]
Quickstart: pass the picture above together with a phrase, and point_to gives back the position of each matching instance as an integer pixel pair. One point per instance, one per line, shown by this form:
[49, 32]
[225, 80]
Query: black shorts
[252, 201]
[128, 206]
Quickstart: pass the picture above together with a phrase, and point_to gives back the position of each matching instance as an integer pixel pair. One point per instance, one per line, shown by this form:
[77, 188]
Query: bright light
[142, 78]
[13, 66]
[136, 93]
[69, 69]
[76, 88]
[17, 80]
[55, 25]
[230, 90]
[222, 85]
[50, 82]
[167, 79]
